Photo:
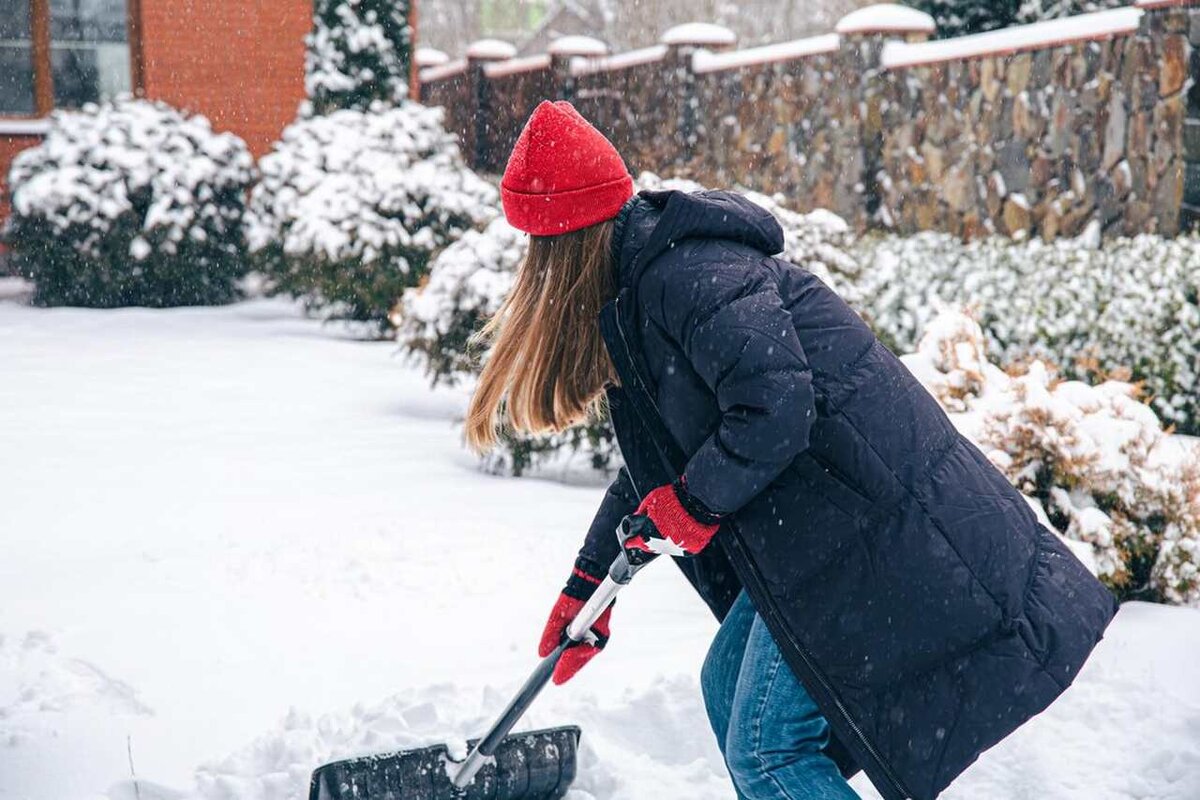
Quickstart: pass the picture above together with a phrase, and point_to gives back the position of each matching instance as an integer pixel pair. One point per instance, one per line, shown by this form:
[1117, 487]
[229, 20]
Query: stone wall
[1043, 140]
[1030, 131]
[793, 126]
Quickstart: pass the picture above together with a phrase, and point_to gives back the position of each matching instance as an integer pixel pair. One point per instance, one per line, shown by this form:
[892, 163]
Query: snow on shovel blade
[538, 765]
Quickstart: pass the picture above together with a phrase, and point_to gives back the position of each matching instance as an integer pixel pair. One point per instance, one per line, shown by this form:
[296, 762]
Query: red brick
[9, 147]
[241, 64]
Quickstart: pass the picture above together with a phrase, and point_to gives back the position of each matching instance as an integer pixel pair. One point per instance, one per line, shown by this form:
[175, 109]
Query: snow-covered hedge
[1132, 305]
[130, 203]
[353, 205]
[1093, 460]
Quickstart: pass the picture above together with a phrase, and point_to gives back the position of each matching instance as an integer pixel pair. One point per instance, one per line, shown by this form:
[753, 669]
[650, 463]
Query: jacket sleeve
[600, 547]
[731, 324]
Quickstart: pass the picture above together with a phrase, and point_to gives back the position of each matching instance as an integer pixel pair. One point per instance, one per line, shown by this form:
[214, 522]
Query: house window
[16, 58]
[62, 53]
[89, 50]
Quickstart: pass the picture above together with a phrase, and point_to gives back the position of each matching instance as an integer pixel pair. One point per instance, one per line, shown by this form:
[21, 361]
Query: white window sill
[24, 127]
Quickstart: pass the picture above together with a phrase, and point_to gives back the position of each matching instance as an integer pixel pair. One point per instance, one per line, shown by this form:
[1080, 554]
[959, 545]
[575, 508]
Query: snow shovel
[539, 765]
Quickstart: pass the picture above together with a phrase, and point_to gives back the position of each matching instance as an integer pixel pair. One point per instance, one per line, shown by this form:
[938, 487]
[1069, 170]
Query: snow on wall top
[632, 58]
[699, 33]
[490, 48]
[577, 46]
[1152, 4]
[430, 57]
[886, 18]
[1039, 35]
[707, 61]
[447, 70]
[514, 65]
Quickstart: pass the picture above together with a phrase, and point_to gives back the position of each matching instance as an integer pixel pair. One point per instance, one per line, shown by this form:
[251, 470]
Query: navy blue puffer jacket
[909, 586]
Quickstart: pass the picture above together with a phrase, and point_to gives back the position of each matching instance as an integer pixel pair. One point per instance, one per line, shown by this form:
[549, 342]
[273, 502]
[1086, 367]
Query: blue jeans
[770, 731]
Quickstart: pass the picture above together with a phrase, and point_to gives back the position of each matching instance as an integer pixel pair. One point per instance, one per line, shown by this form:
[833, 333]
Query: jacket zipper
[771, 608]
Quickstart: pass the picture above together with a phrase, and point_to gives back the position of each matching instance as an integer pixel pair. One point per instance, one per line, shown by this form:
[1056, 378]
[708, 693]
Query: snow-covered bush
[951, 361]
[1094, 458]
[353, 205]
[130, 203]
[467, 283]
[1132, 305]
[358, 53]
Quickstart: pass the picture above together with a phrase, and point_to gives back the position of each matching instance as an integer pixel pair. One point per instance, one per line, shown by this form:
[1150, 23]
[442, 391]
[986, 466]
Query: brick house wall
[10, 145]
[241, 64]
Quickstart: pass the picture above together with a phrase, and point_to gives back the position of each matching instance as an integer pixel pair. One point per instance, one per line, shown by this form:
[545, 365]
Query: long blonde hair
[547, 367]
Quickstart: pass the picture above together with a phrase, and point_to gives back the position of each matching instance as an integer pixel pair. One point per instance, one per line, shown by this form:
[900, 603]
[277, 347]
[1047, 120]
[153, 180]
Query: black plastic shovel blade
[538, 765]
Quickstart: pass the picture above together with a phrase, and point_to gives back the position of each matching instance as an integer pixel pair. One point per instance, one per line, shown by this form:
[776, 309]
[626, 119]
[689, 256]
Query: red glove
[580, 586]
[683, 524]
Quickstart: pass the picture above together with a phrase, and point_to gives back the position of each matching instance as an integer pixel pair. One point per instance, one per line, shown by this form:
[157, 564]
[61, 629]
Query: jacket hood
[653, 222]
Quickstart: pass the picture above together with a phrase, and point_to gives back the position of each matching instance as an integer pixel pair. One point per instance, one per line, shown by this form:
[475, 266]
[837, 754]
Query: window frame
[43, 77]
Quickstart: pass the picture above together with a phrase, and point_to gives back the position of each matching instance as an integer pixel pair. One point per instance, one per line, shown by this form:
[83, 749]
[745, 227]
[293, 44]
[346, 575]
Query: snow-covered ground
[237, 543]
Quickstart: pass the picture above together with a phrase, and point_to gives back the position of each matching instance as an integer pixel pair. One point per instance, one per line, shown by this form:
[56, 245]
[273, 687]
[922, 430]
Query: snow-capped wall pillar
[567, 51]
[480, 112]
[864, 34]
[429, 57]
[1173, 28]
[888, 20]
[682, 42]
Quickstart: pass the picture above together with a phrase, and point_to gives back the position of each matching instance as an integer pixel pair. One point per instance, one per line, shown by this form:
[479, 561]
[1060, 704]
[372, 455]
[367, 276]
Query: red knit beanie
[563, 174]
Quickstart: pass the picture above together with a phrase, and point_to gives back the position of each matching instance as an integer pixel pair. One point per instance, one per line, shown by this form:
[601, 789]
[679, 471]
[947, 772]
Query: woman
[889, 601]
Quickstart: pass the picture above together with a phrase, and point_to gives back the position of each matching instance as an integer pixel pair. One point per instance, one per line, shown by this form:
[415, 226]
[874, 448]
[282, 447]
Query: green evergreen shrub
[130, 203]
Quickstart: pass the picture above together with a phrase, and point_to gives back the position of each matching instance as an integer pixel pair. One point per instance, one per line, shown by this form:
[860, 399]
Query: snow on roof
[490, 48]
[699, 33]
[430, 57]
[1039, 35]
[514, 65]
[577, 46]
[24, 127]
[447, 70]
[886, 18]
[632, 58]
[707, 61]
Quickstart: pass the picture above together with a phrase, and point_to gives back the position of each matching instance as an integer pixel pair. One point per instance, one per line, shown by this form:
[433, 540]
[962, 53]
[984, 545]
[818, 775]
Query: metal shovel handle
[620, 573]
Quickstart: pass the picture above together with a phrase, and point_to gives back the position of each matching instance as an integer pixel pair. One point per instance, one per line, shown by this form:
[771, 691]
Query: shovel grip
[596, 605]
